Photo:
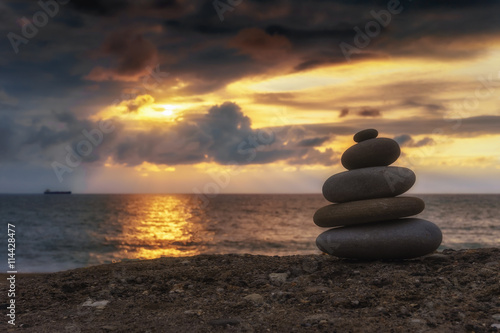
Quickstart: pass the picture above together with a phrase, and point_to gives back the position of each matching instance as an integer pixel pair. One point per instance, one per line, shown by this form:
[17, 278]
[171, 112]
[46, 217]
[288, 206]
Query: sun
[158, 112]
[143, 112]
[168, 110]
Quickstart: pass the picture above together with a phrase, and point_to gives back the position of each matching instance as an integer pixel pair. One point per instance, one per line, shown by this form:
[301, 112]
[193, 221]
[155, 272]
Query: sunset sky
[255, 97]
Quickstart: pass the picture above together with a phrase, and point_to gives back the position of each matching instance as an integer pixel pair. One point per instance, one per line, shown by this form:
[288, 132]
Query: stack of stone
[367, 215]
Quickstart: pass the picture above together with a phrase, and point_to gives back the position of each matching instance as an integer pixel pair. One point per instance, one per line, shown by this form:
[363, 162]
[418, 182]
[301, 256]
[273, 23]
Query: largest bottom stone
[394, 239]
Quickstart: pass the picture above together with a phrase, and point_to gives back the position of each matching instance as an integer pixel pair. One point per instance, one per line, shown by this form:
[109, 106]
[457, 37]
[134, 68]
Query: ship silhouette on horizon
[47, 191]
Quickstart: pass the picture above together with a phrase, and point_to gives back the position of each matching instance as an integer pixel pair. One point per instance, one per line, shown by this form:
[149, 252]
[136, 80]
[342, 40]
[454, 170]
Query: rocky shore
[449, 291]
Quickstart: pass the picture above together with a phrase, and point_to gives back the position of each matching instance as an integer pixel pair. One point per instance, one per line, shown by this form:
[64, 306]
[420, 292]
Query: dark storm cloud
[200, 46]
[100, 7]
[70, 129]
[308, 34]
[131, 53]
[188, 39]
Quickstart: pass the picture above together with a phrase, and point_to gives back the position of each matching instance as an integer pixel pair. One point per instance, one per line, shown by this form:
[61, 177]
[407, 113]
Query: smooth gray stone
[371, 210]
[366, 134]
[371, 153]
[368, 183]
[394, 239]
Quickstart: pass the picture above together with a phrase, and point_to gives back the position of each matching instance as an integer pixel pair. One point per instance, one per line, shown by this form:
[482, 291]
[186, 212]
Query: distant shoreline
[445, 291]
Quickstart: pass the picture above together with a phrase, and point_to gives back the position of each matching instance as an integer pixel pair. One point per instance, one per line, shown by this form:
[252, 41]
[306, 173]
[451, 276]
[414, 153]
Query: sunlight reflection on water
[158, 226]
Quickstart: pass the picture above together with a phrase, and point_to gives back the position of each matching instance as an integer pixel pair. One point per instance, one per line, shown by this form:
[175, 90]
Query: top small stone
[366, 134]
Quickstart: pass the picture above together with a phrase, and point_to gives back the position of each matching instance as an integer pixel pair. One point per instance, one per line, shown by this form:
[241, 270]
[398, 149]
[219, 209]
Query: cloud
[6, 99]
[286, 39]
[369, 113]
[207, 55]
[344, 112]
[406, 140]
[260, 45]
[131, 53]
[133, 105]
[466, 127]
[313, 142]
[415, 102]
[100, 7]
[402, 139]
[223, 135]
[8, 130]
[315, 157]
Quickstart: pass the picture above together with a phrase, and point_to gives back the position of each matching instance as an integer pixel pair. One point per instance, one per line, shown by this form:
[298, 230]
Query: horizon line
[240, 193]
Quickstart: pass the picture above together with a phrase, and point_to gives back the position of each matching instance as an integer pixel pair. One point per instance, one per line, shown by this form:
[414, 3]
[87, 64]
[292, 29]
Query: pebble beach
[448, 291]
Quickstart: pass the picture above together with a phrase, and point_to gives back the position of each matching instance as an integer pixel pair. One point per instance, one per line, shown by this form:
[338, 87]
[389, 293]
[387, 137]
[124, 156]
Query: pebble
[177, 288]
[371, 210]
[96, 304]
[366, 134]
[368, 183]
[109, 328]
[496, 316]
[370, 153]
[254, 298]
[278, 278]
[395, 239]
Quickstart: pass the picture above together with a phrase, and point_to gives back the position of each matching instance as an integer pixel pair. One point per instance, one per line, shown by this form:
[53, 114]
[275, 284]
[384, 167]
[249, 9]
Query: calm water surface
[58, 232]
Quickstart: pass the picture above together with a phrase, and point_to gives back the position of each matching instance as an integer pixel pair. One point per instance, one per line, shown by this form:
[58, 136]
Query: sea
[60, 232]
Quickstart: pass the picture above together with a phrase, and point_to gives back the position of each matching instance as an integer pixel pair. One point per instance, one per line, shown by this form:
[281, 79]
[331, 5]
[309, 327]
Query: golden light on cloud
[374, 89]
[145, 168]
[316, 95]
[142, 111]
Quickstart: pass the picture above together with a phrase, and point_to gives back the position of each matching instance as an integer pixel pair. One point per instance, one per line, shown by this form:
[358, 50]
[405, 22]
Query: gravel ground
[449, 291]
